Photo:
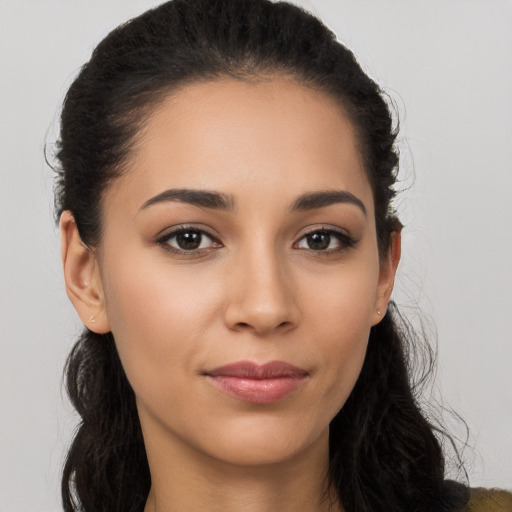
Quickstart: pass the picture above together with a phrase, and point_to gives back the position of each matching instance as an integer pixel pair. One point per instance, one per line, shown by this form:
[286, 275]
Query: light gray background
[447, 65]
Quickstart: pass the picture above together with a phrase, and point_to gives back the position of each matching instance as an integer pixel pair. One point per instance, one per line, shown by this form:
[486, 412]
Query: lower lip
[258, 391]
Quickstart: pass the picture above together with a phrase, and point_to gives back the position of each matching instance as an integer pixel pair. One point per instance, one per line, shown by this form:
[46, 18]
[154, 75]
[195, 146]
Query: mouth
[259, 384]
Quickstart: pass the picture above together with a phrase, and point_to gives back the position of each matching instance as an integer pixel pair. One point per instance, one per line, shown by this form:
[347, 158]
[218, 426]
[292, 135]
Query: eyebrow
[220, 201]
[206, 199]
[313, 200]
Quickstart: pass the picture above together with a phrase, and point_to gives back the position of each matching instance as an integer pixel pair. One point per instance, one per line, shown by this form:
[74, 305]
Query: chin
[264, 441]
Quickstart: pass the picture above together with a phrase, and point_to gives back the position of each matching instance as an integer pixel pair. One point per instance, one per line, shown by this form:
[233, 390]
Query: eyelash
[164, 241]
[345, 241]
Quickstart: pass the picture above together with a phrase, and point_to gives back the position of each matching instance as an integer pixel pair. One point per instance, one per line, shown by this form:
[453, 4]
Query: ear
[388, 267]
[82, 277]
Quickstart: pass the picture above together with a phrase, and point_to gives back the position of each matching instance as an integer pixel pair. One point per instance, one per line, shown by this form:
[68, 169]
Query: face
[239, 269]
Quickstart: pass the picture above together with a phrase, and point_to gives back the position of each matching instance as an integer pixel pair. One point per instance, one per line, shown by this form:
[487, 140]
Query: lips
[260, 384]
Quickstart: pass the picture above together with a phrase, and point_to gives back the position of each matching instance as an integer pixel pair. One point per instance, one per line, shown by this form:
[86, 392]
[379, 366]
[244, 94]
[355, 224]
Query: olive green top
[489, 500]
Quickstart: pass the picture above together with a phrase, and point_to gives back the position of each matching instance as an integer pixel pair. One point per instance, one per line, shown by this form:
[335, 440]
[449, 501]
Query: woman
[229, 242]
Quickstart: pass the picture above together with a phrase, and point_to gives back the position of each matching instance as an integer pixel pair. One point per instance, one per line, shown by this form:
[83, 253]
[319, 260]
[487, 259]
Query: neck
[185, 481]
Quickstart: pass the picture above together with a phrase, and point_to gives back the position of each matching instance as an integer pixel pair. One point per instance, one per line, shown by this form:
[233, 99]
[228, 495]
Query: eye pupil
[188, 240]
[318, 241]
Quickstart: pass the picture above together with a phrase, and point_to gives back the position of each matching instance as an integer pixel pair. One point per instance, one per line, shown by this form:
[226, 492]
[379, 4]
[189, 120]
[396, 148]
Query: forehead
[241, 137]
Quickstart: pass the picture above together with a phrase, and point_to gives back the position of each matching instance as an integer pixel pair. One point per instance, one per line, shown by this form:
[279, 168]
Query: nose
[260, 294]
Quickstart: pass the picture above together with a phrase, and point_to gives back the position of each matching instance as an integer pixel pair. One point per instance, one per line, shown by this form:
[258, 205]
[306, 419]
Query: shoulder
[489, 500]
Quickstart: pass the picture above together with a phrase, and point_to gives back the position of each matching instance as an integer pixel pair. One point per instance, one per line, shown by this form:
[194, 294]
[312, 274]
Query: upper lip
[250, 370]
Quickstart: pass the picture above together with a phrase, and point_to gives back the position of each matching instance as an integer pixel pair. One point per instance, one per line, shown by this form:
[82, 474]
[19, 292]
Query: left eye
[324, 240]
[188, 240]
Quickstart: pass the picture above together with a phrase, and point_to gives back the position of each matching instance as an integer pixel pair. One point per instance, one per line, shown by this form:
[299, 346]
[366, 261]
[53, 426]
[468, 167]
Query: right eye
[187, 240]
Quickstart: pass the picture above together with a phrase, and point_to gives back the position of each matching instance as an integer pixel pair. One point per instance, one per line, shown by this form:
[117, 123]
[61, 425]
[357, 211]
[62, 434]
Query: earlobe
[82, 277]
[388, 268]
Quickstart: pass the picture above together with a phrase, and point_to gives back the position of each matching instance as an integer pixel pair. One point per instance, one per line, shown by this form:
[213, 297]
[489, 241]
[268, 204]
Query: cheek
[158, 317]
[343, 298]
[341, 318]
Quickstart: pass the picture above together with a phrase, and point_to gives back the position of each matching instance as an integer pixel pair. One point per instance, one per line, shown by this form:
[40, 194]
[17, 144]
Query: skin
[255, 290]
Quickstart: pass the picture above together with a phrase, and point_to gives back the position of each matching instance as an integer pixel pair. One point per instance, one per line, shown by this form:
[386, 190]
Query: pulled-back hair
[383, 452]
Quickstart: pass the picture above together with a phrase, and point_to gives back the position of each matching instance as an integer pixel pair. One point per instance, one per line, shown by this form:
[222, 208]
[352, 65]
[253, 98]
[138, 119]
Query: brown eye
[318, 241]
[326, 240]
[188, 240]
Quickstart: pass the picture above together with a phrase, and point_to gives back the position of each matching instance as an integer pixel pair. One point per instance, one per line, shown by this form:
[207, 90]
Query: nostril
[262, 326]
